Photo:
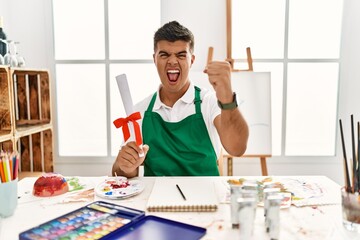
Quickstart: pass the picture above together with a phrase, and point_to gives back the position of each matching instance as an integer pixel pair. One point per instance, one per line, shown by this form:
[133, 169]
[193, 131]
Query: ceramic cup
[8, 198]
[350, 204]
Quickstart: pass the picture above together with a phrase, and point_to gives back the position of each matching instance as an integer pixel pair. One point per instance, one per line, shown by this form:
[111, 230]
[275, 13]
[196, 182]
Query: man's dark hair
[174, 31]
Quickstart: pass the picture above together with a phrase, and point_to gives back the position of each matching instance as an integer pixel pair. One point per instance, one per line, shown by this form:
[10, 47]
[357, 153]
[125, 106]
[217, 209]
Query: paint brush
[358, 158]
[116, 179]
[347, 178]
[355, 183]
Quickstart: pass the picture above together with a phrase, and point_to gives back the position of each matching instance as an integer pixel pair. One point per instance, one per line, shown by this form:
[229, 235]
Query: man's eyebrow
[178, 53]
[162, 51]
[182, 52]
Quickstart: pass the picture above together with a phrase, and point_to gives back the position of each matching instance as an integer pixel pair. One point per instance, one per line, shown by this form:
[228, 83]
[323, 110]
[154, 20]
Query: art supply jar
[8, 198]
[350, 205]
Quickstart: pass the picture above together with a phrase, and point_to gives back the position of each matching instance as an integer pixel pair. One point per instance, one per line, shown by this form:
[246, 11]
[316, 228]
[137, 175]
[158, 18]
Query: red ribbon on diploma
[123, 122]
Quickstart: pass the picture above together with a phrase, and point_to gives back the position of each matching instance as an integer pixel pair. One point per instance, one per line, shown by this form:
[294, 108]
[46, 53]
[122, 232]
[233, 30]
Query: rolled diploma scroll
[127, 101]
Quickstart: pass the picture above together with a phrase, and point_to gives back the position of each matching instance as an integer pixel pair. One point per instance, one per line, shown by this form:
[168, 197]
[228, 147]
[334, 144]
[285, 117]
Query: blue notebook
[104, 220]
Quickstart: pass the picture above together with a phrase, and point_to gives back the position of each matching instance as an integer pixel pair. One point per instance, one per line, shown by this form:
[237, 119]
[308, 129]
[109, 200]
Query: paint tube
[273, 216]
[235, 191]
[246, 214]
[266, 193]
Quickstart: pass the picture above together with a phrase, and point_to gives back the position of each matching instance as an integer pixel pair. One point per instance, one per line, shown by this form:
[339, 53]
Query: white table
[321, 222]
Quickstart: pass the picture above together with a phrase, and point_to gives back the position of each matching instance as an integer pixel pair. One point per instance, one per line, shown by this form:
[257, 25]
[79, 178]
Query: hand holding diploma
[132, 155]
[128, 159]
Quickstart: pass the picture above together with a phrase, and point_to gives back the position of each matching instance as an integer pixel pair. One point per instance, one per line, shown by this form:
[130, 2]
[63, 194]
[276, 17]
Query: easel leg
[263, 166]
[229, 166]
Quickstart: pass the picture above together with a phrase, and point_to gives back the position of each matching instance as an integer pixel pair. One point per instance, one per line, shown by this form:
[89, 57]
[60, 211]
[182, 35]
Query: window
[89, 52]
[302, 52]
[286, 37]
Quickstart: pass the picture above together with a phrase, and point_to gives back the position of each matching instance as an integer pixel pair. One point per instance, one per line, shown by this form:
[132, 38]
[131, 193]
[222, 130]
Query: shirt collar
[188, 97]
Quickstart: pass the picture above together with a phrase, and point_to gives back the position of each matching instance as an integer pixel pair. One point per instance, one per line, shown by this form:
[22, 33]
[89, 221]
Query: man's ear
[154, 57]
[192, 59]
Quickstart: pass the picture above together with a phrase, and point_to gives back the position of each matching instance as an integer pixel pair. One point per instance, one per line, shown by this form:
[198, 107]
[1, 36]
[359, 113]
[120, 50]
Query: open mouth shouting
[173, 75]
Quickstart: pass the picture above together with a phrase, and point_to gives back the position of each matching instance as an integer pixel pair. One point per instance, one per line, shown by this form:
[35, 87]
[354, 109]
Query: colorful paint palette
[119, 188]
[91, 222]
[108, 221]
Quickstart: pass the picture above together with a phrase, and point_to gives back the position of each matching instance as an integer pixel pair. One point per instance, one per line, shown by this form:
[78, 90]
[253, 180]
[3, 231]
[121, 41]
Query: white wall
[30, 23]
[207, 21]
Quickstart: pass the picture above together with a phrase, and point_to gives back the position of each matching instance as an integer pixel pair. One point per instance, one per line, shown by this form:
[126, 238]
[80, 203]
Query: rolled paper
[123, 122]
[125, 93]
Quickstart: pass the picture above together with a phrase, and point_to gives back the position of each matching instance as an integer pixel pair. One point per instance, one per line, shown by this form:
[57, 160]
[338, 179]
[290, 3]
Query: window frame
[249, 61]
[107, 62]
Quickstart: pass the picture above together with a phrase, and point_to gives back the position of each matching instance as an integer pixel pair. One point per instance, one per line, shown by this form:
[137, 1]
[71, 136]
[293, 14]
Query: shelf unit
[25, 117]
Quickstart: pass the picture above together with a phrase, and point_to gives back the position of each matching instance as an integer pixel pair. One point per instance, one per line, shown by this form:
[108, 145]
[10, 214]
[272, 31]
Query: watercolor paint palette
[119, 188]
[103, 220]
[90, 222]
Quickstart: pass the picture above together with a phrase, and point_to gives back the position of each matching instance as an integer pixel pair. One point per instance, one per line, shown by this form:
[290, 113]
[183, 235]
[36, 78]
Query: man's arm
[233, 131]
[230, 124]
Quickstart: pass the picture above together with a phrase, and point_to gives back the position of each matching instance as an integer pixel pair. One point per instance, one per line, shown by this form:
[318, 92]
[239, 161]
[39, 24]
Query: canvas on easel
[253, 92]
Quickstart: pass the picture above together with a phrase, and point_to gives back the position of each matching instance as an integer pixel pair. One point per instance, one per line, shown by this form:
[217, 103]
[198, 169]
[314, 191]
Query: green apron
[178, 148]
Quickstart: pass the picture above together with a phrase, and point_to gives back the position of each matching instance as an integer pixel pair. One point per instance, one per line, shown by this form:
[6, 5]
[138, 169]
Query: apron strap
[197, 100]
[152, 102]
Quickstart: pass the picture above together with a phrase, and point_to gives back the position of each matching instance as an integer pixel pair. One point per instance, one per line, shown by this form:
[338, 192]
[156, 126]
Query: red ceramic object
[50, 184]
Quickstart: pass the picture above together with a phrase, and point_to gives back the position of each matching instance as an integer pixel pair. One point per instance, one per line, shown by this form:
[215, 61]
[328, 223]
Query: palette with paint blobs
[119, 188]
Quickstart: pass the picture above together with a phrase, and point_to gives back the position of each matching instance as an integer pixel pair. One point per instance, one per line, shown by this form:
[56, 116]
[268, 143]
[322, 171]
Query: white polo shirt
[185, 107]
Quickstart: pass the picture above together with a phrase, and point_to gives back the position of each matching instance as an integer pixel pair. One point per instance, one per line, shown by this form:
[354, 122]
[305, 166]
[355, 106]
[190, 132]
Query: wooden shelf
[26, 131]
[5, 101]
[36, 151]
[25, 117]
[33, 122]
[5, 136]
[6, 143]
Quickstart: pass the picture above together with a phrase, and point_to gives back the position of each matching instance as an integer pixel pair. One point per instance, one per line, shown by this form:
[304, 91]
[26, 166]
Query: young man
[182, 124]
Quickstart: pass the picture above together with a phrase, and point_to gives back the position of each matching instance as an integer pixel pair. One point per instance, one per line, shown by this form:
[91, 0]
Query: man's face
[173, 61]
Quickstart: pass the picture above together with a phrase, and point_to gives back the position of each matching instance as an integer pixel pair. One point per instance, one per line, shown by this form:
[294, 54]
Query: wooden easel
[263, 164]
[229, 58]
[229, 42]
